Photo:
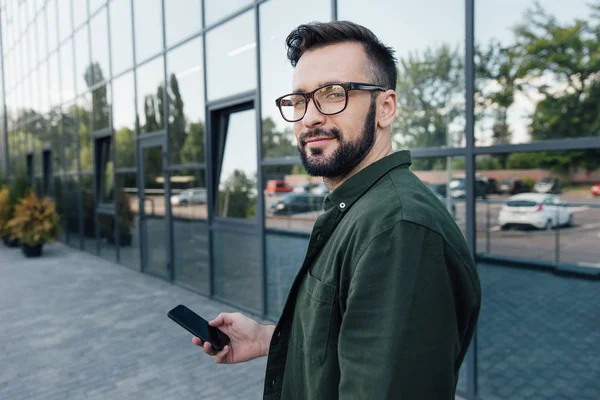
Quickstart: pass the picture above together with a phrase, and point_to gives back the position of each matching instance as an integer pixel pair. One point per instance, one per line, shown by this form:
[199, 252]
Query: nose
[313, 116]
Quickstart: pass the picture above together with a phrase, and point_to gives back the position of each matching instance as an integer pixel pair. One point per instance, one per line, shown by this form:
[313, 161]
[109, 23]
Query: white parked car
[542, 211]
[189, 196]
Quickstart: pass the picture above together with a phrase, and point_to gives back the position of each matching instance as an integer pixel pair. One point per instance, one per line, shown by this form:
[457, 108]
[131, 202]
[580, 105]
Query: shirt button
[342, 205]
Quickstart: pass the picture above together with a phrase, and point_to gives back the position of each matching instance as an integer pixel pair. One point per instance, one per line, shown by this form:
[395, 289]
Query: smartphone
[198, 327]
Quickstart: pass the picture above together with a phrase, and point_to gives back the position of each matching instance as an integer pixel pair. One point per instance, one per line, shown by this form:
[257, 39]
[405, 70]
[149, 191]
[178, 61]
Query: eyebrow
[301, 90]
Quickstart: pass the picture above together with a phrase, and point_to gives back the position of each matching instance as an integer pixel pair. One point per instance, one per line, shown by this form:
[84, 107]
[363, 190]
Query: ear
[386, 108]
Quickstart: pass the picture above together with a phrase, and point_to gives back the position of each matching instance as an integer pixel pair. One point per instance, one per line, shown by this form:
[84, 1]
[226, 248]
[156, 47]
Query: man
[386, 301]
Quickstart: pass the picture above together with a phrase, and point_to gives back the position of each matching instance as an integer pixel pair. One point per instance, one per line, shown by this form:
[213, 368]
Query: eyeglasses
[329, 99]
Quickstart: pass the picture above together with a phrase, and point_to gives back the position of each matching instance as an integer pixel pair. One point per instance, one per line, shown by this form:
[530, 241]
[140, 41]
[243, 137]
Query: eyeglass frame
[348, 86]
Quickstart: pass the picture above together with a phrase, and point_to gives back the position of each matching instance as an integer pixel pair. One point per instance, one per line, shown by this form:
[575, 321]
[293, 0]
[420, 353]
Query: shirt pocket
[312, 320]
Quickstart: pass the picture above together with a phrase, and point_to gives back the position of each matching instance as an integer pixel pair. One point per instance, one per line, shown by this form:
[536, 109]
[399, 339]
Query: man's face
[333, 145]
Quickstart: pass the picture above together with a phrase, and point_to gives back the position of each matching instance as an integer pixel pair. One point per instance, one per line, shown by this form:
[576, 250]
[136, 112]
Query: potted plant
[4, 213]
[17, 190]
[35, 222]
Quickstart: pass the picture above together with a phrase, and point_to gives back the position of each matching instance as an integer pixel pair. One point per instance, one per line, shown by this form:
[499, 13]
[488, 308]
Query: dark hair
[319, 34]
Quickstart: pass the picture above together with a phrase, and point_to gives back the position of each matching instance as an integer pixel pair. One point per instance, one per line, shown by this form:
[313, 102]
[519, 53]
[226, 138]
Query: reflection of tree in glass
[556, 61]
[186, 138]
[430, 92]
[101, 107]
[237, 196]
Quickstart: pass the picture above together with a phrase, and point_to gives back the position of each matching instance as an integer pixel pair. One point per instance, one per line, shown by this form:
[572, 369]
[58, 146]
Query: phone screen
[198, 326]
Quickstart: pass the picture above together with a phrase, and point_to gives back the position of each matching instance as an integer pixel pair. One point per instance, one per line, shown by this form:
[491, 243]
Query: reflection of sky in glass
[123, 102]
[274, 62]
[82, 58]
[120, 32]
[100, 51]
[80, 12]
[183, 18]
[53, 78]
[66, 60]
[186, 63]
[218, 9]
[231, 57]
[240, 148]
[51, 21]
[148, 28]
[64, 19]
[149, 77]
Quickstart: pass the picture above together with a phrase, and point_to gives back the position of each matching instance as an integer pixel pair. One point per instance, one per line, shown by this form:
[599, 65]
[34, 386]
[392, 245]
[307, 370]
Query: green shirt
[386, 301]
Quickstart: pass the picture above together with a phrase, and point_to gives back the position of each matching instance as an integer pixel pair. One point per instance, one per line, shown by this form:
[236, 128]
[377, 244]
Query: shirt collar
[353, 188]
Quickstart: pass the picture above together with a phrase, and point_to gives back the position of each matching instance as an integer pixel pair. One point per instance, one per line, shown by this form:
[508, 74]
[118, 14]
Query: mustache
[333, 133]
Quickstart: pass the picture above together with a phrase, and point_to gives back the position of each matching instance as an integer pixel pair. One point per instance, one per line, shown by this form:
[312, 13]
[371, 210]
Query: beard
[346, 157]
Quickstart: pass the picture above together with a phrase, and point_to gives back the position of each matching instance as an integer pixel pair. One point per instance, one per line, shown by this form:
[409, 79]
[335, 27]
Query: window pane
[188, 202]
[216, 10]
[231, 56]
[67, 75]
[285, 255]
[80, 12]
[69, 120]
[524, 92]
[150, 84]
[82, 60]
[121, 35]
[72, 216]
[148, 28]
[182, 19]
[51, 20]
[186, 103]
[107, 248]
[128, 220]
[237, 181]
[124, 120]
[104, 151]
[100, 57]
[64, 18]
[85, 134]
[35, 92]
[278, 135]
[57, 143]
[44, 89]
[96, 4]
[55, 98]
[430, 86]
[101, 107]
[42, 37]
[88, 206]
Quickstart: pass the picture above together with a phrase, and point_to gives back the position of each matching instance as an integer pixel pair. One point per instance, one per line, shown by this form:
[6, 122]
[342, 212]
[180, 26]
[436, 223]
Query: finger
[208, 349]
[197, 341]
[221, 357]
[220, 320]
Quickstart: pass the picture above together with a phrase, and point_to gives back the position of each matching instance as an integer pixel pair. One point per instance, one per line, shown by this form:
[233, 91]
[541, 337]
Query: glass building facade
[153, 126]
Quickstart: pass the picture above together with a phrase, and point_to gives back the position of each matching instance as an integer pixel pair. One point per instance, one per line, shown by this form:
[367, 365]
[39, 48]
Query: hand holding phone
[243, 338]
[199, 327]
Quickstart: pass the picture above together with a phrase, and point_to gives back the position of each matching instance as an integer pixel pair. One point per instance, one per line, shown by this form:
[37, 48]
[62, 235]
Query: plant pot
[32, 251]
[11, 242]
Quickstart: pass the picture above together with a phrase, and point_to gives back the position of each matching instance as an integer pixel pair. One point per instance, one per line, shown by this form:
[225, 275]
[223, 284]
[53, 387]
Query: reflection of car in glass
[541, 211]
[492, 186]
[302, 188]
[458, 188]
[189, 196]
[295, 203]
[321, 189]
[435, 188]
[513, 186]
[548, 185]
[596, 190]
[277, 186]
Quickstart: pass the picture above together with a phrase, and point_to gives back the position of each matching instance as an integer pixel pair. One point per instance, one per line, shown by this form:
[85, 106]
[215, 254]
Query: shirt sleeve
[399, 337]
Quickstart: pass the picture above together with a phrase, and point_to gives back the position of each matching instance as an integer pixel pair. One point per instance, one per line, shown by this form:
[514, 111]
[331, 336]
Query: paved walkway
[73, 326]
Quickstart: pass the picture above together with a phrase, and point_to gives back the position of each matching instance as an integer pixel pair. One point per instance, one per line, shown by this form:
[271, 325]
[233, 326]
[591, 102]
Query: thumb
[220, 320]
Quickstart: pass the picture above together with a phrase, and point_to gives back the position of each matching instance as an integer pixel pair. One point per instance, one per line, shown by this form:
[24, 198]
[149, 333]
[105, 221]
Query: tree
[431, 102]
[193, 146]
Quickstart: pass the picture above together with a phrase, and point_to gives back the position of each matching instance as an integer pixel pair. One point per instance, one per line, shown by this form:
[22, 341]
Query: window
[183, 19]
[148, 28]
[150, 86]
[121, 35]
[104, 170]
